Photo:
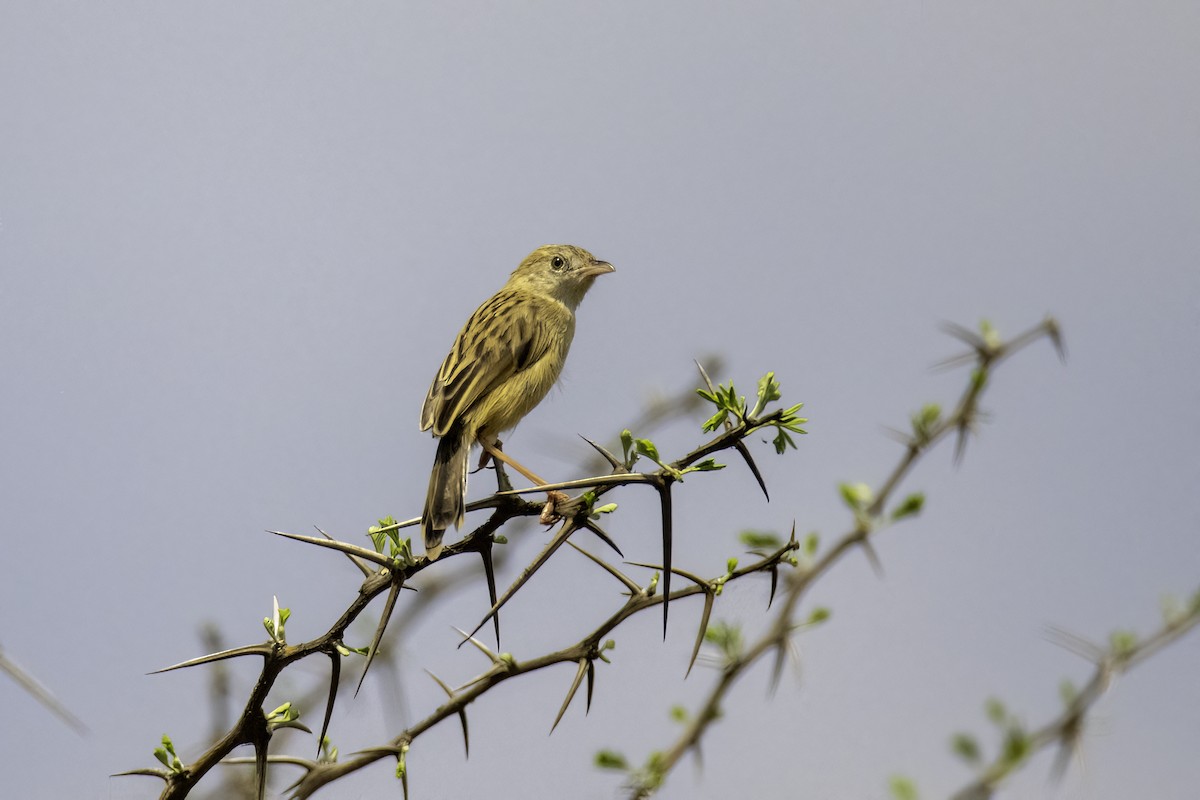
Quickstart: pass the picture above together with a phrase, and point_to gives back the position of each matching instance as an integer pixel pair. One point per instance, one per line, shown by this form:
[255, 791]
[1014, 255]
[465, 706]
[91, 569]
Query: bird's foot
[485, 455]
[550, 513]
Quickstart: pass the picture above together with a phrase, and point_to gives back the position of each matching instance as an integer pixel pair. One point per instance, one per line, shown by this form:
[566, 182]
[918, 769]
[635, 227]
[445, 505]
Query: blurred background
[236, 241]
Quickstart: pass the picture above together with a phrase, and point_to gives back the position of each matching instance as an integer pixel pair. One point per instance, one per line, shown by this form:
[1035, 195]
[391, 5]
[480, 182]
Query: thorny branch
[394, 571]
[929, 429]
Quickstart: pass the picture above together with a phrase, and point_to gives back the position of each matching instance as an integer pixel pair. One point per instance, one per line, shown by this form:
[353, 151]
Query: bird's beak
[598, 268]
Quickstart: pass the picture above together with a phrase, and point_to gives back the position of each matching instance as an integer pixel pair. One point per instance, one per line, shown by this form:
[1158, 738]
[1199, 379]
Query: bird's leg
[553, 499]
[494, 451]
[503, 484]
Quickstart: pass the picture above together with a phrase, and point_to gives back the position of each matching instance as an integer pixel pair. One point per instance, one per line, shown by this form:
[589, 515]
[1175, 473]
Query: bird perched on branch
[504, 361]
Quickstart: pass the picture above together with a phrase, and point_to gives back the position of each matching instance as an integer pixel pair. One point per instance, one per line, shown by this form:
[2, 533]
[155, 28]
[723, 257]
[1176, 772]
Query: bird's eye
[557, 263]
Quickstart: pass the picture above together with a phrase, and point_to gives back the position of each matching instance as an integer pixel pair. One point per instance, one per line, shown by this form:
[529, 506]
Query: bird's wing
[504, 336]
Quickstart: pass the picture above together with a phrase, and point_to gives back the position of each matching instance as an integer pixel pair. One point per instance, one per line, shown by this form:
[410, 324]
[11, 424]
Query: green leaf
[679, 714]
[646, 448]
[924, 421]
[782, 441]
[282, 716]
[727, 638]
[611, 759]
[856, 495]
[966, 747]
[910, 506]
[655, 771]
[377, 538]
[726, 399]
[760, 540]
[996, 711]
[768, 388]
[819, 615]
[383, 532]
[1016, 746]
[768, 391]
[626, 444]
[1173, 611]
[811, 542]
[707, 465]
[991, 336]
[166, 754]
[1067, 691]
[715, 421]
[903, 788]
[1123, 642]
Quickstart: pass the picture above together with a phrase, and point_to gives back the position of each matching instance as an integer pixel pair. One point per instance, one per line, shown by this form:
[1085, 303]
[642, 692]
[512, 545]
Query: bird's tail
[445, 501]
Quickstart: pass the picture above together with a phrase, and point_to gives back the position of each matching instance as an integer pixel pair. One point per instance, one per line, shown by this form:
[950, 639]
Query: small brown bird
[504, 361]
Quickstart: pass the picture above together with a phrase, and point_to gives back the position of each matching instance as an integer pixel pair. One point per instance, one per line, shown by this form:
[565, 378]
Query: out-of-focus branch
[1066, 730]
[40, 693]
[929, 429]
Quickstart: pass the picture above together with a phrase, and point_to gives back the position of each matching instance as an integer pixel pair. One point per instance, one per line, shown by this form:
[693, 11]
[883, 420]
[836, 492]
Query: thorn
[1050, 325]
[609, 457]
[964, 335]
[745, 454]
[616, 573]
[335, 673]
[485, 551]
[664, 492]
[388, 607]
[872, 557]
[603, 536]
[583, 663]
[704, 616]
[707, 380]
[483, 648]
[462, 712]
[591, 679]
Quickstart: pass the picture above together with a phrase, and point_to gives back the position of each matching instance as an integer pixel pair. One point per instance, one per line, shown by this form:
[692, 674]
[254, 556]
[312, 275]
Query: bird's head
[562, 271]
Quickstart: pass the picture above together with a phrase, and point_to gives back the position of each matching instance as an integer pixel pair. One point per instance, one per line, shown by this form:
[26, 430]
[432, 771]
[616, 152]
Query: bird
[505, 359]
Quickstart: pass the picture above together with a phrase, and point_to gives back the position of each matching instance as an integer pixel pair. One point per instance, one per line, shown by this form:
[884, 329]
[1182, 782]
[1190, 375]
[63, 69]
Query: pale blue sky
[236, 241]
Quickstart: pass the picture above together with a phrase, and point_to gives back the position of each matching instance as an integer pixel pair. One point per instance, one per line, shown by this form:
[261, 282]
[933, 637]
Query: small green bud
[611, 759]
[910, 506]
[819, 615]
[903, 788]
[856, 495]
[760, 540]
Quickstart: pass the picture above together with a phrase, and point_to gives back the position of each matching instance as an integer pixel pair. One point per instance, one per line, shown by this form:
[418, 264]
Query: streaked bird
[504, 361]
